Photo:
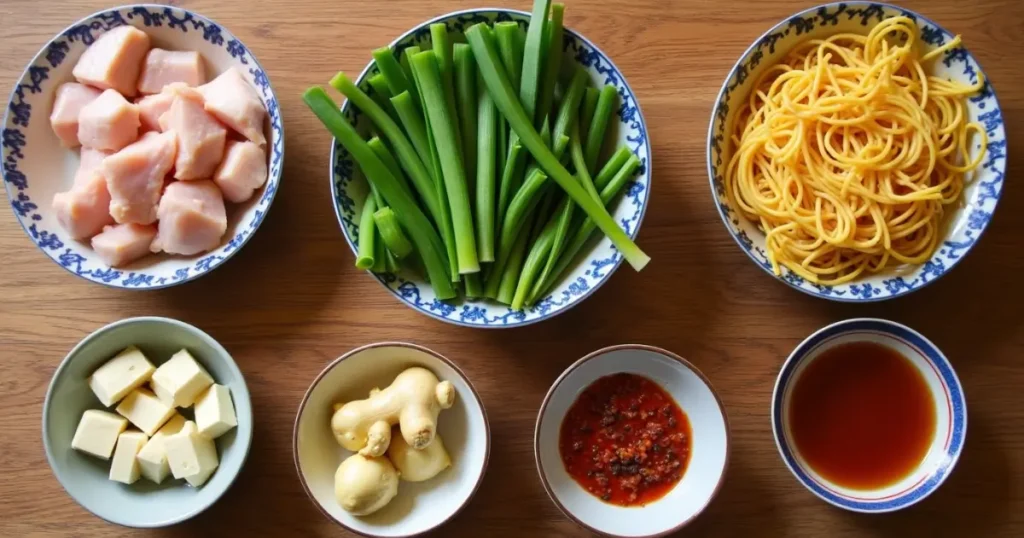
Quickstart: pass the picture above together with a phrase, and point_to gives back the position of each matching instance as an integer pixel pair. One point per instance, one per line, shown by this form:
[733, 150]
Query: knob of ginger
[413, 401]
[364, 485]
[419, 465]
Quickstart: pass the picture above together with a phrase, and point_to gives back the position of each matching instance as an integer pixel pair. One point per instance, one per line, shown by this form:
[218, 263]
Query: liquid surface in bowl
[862, 416]
[625, 440]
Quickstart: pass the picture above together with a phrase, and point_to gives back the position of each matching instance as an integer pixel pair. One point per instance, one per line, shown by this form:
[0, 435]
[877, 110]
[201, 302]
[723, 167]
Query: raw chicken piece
[235, 102]
[108, 122]
[201, 137]
[192, 218]
[113, 61]
[83, 210]
[71, 98]
[243, 170]
[122, 244]
[135, 177]
[151, 107]
[90, 166]
[163, 67]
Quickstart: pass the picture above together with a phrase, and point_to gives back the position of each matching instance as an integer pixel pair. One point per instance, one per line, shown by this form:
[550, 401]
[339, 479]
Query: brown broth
[862, 416]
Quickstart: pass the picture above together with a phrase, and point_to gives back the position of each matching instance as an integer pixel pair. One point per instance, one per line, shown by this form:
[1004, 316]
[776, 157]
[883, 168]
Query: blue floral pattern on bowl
[33, 172]
[981, 194]
[349, 190]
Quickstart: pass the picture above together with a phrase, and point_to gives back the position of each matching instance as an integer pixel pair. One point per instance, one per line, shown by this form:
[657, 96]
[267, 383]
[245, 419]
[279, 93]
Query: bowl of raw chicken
[142, 147]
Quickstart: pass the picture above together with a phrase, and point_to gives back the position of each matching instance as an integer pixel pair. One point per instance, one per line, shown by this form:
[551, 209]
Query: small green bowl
[142, 504]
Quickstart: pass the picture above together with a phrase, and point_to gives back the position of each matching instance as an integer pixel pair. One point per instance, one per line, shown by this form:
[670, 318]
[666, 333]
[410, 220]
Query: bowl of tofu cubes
[147, 422]
[142, 147]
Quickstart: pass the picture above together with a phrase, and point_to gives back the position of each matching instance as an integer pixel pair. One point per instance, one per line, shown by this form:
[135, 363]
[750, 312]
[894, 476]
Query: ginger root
[413, 401]
[364, 485]
[418, 465]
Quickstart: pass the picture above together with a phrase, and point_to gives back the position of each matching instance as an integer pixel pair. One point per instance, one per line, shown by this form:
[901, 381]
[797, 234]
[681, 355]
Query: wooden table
[292, 300]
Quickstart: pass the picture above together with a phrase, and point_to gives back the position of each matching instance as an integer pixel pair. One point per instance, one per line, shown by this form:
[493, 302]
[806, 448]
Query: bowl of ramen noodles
[857, 151]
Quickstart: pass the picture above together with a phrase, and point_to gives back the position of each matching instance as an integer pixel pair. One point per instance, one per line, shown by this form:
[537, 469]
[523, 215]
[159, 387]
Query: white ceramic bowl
[709, 452]
[596, 261]
[36, 166]
[85, 478]
[420, 506]
[950, 419]
[965, 224]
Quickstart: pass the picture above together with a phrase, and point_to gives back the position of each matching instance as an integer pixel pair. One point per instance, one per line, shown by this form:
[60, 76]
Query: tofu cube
[243, 170]
[114, 60]
[71, 97]
[127, 371]
[191, 456]
[215, 413]
[163, 67]
[180, 380]
[201, 137]
[143, 409]
[125, 468]
[124, 243]
[192, 218]
[109, 122]
[153, 457]
[97, 433]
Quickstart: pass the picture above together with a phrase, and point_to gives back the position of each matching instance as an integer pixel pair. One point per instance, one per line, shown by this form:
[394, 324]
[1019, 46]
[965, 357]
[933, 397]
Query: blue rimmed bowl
[964, 225]
[36, 166]
[594, 265]
[942, 382]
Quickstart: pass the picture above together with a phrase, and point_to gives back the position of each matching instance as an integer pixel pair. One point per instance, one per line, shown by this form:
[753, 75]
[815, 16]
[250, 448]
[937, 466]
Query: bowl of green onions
[490, 167]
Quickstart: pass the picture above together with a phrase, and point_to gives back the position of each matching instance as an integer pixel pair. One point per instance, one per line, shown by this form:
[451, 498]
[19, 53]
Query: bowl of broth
[869, 415]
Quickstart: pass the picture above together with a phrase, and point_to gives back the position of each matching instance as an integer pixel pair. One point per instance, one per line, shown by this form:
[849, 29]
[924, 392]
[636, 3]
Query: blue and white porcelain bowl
[36, 166]
[965, 224]
[595, 264]
[945, 389]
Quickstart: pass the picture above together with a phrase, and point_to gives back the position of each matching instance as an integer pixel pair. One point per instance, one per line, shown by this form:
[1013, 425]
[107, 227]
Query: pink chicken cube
[109, 122]
[135, 177]
[84, 210]
[201, 137]
[243, 170]
[235, 102]
[113, 61]
[71, 98]
[122, 244]
[151, 107]
[192, 218]
[163, 67]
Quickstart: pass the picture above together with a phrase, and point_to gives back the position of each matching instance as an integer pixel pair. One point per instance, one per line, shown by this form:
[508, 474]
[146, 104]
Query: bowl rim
[711, 135]
[230, 363]
[351, 353]
[258, 220]
[579, 298]
[598, 353]
[840, 328]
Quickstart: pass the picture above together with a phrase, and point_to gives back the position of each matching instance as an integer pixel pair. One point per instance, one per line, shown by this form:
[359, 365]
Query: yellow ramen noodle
[847, 152]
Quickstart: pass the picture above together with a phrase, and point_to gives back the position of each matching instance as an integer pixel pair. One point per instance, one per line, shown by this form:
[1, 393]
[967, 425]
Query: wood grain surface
[291, 300]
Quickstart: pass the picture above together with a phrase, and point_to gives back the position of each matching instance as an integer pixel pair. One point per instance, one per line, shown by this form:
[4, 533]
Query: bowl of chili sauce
[869, 415]
[632, 441]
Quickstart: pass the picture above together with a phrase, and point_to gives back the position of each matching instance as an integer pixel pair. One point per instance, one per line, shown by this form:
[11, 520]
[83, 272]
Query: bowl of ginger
[391, 439]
